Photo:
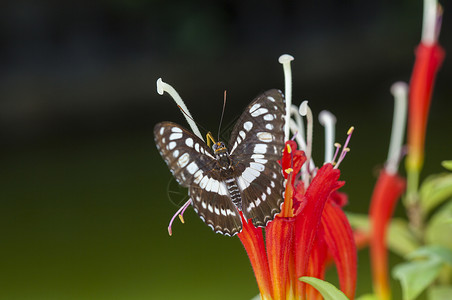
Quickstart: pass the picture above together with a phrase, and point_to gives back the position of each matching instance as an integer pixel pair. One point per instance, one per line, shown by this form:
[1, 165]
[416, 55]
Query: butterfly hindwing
[256, 145]
[212, 203]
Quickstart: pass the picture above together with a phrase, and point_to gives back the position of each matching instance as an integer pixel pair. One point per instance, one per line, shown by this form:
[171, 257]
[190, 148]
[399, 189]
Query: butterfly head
[219, 147]
[221, 153]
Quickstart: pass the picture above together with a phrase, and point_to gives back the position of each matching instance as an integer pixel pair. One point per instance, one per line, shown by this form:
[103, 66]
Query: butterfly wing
[212, 203]
[194, 166]
[186, 155]
[256, 144]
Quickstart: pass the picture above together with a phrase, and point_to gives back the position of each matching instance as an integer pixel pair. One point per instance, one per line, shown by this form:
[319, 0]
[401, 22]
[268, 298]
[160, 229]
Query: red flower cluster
[309, 233]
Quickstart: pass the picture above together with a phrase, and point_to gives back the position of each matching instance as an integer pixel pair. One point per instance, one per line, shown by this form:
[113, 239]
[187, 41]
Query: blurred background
[85, 198]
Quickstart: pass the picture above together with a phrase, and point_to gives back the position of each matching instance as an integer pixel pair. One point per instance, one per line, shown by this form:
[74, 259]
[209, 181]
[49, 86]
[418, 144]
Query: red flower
[429, 57]
[388, 190]
[310, 227]
[428, 60]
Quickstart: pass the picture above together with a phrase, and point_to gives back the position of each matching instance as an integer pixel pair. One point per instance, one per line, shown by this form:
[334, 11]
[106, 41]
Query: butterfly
[243, 176]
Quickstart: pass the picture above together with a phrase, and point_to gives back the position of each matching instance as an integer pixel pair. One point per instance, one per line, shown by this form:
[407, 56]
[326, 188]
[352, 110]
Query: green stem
[412, 205]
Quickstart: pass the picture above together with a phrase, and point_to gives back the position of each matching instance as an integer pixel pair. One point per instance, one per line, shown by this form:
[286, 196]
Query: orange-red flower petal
[279, 239]
[428, 61]
[341, 243]
[308, 219]
[253, 241]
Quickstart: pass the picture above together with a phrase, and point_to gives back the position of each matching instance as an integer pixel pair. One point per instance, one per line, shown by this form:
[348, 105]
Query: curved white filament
[302, 144]
[306, 111]
[285, 60]
[400, 92]
[164, 87]
[295, 113]
[429, 22]
[328, 120]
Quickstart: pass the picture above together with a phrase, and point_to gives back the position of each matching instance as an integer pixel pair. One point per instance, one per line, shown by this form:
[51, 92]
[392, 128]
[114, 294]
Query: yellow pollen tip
[347, 149]
[337, 145]
[289, 149]
[350, 131]
[181, 219]
[288, 170]
[170, 231]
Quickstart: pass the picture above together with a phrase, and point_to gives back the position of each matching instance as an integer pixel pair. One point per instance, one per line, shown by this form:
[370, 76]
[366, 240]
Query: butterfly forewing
[193, 165]
[186, 155]
[256, 145]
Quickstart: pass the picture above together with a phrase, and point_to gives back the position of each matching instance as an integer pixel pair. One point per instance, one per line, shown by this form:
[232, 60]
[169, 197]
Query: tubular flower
[310, 227]
[387, 191]
[429, 57]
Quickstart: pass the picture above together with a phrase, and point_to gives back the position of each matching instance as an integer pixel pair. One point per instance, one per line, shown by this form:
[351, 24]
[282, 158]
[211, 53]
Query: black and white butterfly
[242, 177]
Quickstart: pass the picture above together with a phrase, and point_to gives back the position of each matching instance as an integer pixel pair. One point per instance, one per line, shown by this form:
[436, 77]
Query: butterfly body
[222, 180]
[222, 155]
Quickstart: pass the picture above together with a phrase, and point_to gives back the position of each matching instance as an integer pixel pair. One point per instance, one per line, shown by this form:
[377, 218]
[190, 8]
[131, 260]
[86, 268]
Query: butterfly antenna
[188, 116]
[222, 114]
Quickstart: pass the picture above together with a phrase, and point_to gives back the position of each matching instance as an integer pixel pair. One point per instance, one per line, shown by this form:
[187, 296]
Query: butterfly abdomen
[234, 192]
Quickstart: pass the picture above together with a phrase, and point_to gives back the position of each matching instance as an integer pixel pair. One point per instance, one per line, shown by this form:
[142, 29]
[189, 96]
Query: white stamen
[302, 144]
[285, 60]
[328, 120]
[300, 140]
[430, 24]
[306, 111]
[294, 112]
[164, 87]
[400, 92]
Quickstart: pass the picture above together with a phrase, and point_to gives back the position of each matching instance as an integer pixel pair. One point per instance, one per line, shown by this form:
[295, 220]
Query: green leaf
[439, 227]
[442, 253]
[416, 276]
[440, 292]
[359, 221]
[367, 297]
[435, 190]
[447, 164]
[400, 239]
[328, 291]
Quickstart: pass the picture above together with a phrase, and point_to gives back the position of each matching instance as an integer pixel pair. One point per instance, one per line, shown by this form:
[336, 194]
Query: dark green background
[84, 204]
